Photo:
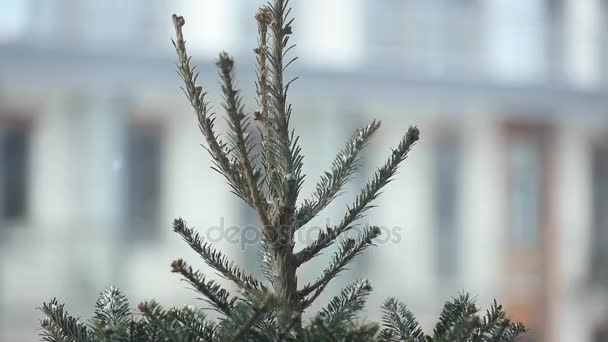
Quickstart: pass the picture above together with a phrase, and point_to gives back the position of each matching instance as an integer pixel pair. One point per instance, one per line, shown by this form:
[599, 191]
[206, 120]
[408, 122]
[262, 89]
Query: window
[446, 189]
[525, 171]
[143, 184]
[599, 258]
[436, 36]
[516, 26]
[14, 155]
[13, 19]
[331, 32]
[385, 24]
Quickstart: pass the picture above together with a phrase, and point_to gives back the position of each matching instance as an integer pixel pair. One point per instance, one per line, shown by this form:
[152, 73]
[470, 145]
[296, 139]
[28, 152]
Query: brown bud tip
[178, 20]
[257, 115]
[288, 30]
[257, 51]
[141, 307]
[225, 62]
[177, 265]
[263, 16]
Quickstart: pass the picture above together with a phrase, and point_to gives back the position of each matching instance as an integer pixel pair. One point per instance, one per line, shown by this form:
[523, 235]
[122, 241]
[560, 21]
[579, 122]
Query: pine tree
[268, 177]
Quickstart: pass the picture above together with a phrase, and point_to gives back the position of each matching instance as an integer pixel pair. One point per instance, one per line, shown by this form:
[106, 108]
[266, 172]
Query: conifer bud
[367, 286]
[178, 20]
[225, 62]
[263, 16]
[413, 134]
[177, 265]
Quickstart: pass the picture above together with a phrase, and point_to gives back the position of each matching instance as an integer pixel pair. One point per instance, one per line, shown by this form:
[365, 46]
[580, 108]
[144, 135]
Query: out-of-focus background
[506, 195]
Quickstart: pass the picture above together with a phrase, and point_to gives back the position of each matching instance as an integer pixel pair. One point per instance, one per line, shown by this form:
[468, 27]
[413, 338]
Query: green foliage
[253, 319]
[268, 176]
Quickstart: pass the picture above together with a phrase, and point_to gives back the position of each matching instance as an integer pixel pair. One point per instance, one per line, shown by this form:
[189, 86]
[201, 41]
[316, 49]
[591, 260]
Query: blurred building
[506, 195]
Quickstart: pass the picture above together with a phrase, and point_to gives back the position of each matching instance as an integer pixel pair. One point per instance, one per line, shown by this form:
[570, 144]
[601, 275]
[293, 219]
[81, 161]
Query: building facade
[506, 195]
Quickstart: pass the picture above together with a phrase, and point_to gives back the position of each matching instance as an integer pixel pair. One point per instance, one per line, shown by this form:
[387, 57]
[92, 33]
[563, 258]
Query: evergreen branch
[332, 182]
[282, 150]
[51, 332]
[264, 19]
[369, 193]
[111, 313]
[399, 323]
[241, 140]
[194, 321]
[138, 331]
[496, 327]
[296, 319]
[265, 258]
[319, 322]
[215, 295]
[206, 120]
[343, 308]
[112, 307]
[258, 312]
[57, 321]
[492, 325]
[463, 330]
[453, 312]
[348, 250]
[217, 260]
[162, 326]
[513, 332]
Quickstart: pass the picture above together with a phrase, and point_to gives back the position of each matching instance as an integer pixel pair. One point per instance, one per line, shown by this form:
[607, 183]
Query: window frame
[11, 119]
[143, 229]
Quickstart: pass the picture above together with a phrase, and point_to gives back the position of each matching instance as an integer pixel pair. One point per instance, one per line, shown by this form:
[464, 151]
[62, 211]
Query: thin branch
[206, 120]
[369, 193]
[241, 139]
[258, 311]
[196, 322]
[217, 260]
[332, 182]
[57, 320]
[283, 153]
[215, 295]
[348, 250]
[344, 307]
[264, 19]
